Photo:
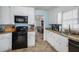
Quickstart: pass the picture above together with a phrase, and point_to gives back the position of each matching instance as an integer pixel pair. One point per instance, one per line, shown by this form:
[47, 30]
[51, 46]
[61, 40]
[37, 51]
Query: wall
[45, 14]
[38, 21]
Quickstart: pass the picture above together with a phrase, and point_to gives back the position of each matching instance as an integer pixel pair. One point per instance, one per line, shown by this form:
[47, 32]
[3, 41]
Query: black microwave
[21, 19]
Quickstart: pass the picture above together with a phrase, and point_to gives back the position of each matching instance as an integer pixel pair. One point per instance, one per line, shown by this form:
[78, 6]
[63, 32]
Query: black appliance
[19, 39]
[73, 46]
[21, 19]
[2, 28]
[55, 27]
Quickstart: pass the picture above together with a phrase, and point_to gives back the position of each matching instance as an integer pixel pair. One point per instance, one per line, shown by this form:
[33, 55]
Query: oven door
[19, 40]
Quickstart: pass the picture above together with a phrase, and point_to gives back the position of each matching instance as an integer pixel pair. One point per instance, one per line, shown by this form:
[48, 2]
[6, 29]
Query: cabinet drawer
[31, 39]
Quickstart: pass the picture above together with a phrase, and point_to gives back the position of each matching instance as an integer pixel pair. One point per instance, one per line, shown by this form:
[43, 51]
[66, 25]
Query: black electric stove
[19, 38]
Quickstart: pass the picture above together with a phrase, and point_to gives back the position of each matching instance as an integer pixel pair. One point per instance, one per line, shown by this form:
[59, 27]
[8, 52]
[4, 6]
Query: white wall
[38, 21]
[45, 14]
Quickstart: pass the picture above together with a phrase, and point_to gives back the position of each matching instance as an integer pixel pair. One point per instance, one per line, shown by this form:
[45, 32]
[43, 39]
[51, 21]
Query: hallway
[41, 46]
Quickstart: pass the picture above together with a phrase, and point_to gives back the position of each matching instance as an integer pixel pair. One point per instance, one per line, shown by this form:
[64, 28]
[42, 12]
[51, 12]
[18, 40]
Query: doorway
[40, 26]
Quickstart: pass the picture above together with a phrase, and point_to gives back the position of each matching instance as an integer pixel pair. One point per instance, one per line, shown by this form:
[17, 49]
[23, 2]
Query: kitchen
[61, 26]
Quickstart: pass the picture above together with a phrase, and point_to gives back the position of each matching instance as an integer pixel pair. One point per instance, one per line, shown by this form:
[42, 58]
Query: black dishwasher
[73, 46]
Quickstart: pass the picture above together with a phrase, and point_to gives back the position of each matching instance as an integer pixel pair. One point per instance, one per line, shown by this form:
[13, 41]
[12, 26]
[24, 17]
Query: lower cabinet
[4, 45]
[59, 42]
[31, 39]
[5, 42]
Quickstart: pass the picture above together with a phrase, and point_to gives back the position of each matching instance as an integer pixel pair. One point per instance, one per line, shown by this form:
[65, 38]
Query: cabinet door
[4, 44]
[0, 15]
[9, 37]
[54, 38]
[62, 43]
[5, 15]
[20, 11]
[31, 16]
[31, 39]
[45, 35]
[48, 36]
[60, 18]
[12, 15]
[75, 13]
[67, 15]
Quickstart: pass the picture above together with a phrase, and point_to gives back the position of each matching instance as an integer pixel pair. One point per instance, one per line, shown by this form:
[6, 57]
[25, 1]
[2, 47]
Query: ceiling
[44, 7]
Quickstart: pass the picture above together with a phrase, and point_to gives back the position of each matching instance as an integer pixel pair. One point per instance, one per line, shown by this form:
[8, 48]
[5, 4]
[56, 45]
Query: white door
[31, 16]
[31, 39]
[4, 44]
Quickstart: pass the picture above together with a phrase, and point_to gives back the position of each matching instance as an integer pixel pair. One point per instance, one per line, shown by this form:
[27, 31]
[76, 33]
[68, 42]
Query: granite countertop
[70, 36]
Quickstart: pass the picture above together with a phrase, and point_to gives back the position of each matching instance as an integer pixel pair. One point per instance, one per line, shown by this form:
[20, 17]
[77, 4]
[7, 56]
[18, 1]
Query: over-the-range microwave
[21, 19]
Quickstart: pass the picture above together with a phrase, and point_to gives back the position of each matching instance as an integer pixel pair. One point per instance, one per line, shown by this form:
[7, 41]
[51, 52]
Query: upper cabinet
[75, 13]
[67, 15]
[60, 18]
[5, 15]
[24, 11]
[31, 15]
[71, 18]
[72, 14]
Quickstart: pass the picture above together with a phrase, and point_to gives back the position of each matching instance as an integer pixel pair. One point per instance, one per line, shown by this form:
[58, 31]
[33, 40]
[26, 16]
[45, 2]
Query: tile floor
[40, 46]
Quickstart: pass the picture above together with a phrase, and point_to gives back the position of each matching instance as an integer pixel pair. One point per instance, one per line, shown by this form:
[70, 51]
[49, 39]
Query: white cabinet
[5, 15]
[31, 39]
[49, 37]
[72, 14]
[45, 35]
[5, 42]
[12, 15]
[31, 16]
[23, 11]
[59, 42]
[75, 13]
[59, 17]
[71, 18]
[0, 15]
[67, 15]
